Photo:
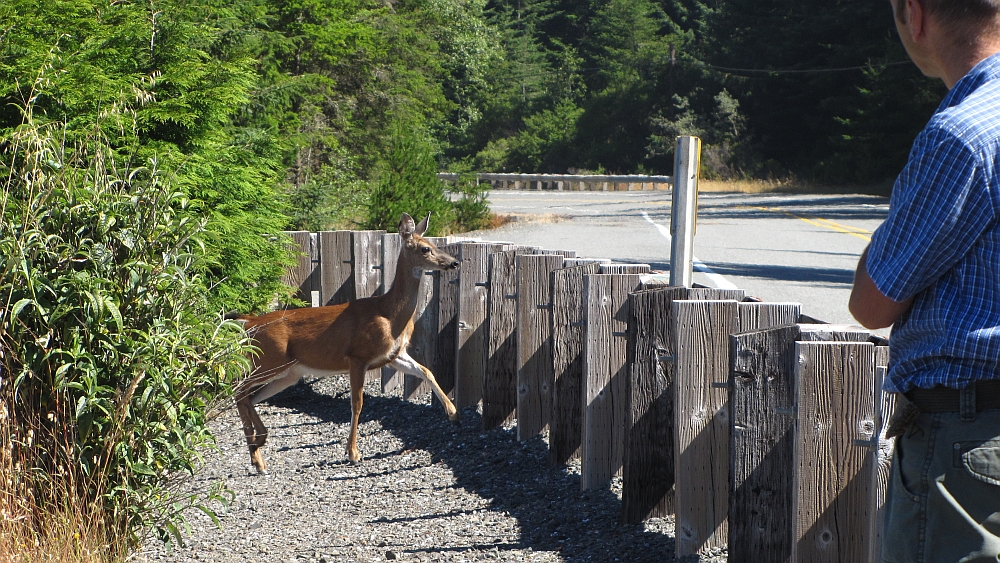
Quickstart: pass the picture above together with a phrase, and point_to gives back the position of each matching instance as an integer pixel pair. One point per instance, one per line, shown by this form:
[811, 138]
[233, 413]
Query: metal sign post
[684, 210]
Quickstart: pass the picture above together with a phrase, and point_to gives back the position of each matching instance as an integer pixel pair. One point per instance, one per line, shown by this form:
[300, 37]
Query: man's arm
[868, 305]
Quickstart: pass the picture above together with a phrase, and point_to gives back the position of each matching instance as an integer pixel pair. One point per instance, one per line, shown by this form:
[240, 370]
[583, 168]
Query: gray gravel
[426, 490]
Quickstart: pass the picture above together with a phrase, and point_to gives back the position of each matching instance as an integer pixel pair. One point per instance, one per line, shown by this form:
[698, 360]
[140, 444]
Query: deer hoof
[456, 419]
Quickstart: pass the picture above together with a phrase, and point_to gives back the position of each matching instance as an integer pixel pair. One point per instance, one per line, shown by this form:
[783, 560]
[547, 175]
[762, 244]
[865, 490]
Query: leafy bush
[110, 357]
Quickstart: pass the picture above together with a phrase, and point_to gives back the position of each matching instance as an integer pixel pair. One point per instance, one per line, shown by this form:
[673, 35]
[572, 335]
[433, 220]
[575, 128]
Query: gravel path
[426, 490]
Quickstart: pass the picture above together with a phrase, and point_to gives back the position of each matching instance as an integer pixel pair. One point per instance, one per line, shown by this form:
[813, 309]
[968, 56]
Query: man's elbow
[878, 311]
[870, 318]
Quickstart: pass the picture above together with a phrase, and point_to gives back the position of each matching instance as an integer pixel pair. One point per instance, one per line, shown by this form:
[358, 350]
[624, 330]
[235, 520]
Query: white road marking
[720, 281]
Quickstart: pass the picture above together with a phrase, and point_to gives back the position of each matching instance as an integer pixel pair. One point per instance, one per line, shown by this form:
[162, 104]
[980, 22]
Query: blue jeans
[943, 502]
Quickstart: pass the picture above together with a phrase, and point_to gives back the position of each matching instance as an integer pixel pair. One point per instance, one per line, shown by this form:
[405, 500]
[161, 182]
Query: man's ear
[422, 226]
[406, 228]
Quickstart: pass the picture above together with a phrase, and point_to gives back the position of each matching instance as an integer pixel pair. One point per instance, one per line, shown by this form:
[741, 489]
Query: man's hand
[868, 305]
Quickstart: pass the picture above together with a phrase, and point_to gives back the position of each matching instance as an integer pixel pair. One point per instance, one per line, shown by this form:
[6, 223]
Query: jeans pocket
[981, 460]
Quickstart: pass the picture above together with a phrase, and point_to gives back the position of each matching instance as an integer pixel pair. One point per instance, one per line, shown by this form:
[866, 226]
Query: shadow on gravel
[553, 514]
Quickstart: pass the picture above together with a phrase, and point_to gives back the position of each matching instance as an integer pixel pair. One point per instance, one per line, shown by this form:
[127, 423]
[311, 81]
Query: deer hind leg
[357, 401]
[253, 426]
[255, 432]
[406, 364]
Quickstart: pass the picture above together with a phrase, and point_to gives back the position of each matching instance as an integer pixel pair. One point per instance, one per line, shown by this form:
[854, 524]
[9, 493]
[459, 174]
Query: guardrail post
[684, 210]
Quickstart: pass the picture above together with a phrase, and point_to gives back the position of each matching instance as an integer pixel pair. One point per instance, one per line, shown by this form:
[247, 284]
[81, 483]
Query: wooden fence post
[534, 342]
[648, 463]
[392, 243]
[367, 260]
[304, 275]
[885, 404]
[762, 403]
[446, 289]
[336, 267]
[833, 473]
[567, 360]
[500, 350]
[605, 375]
[472, 310]
[423, 343]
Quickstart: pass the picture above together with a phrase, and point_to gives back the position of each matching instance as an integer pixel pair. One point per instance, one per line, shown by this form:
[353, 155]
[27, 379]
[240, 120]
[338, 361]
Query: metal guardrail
[576, 182]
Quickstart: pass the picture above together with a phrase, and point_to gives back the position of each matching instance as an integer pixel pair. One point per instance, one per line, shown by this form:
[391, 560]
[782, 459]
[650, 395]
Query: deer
[349, 338]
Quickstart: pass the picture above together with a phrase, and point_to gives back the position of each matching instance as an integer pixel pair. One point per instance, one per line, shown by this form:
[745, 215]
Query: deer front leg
[357, 401]
[406, 364]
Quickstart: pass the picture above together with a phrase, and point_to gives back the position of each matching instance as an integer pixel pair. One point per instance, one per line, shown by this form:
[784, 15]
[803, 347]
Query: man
[932, 271]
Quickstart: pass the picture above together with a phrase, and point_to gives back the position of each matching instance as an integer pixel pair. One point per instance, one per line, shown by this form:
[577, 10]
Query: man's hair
[962, 14]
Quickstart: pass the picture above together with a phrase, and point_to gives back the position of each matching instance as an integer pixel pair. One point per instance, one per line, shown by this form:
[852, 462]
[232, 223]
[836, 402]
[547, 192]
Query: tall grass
[110, 359]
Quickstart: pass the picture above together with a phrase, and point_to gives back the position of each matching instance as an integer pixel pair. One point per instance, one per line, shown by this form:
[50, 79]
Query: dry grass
[496, 221]
[790, 186]
[59, 536]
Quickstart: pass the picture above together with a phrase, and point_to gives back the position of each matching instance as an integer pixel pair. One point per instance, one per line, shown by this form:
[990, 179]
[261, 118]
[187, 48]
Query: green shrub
[110, 357]
[408, 183]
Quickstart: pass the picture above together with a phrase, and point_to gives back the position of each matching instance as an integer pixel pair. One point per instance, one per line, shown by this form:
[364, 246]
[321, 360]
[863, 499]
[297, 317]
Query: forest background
[151, 153]
[309, 100]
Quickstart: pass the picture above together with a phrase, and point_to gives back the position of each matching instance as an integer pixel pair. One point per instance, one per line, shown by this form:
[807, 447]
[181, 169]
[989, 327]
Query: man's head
[946, 38]
[960, 15]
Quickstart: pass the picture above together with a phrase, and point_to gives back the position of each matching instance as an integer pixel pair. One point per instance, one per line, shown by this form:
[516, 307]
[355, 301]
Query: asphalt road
[780, 248]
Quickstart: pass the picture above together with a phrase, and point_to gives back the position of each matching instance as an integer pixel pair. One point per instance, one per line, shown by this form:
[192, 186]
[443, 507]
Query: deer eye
[425, 249]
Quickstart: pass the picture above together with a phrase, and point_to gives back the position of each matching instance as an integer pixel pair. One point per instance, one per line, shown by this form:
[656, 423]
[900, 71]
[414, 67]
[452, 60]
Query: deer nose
[453, 265]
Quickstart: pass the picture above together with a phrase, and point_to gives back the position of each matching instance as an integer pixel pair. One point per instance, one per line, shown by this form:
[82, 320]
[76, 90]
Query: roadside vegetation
[152, 154]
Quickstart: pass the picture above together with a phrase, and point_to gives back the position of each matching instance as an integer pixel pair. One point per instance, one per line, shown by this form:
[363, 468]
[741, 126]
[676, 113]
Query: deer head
[418, 252]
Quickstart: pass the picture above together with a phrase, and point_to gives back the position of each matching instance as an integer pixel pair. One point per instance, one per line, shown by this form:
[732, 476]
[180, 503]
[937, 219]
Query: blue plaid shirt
[941, 243]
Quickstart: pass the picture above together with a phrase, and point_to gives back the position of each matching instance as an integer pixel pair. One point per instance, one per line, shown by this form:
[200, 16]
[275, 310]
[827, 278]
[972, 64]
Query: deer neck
[401, 299]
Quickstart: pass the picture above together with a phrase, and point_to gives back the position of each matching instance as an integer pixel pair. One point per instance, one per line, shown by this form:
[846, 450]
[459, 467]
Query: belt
[945, 399]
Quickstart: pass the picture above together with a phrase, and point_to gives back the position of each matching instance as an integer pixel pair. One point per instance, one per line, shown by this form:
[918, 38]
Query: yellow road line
[819, 222]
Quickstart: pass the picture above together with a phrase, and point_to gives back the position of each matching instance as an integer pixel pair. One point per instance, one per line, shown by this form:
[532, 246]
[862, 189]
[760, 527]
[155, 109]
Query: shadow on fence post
[648, 456]
[423, 342]
[567, 360]
[534, 342]
[500, 350]
[605, 371]
[336, 267]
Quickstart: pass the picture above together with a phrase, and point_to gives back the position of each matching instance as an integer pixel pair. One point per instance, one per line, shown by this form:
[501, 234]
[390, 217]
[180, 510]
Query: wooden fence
[758, 427]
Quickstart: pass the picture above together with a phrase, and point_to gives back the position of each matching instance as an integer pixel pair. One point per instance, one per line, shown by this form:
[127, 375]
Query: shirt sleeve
[940, 207]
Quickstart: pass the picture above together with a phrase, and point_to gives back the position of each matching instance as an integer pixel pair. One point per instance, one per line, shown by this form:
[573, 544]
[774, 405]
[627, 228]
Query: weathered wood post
[367, 260]
[534, 342]
[567, 359]
[304, 275]
[702, 395]
[446, 290]
[392, 243]
[832, 481]
[500, 350]
[472, 310]
[605, 374]
[762, 403]
[648, 464]
[336, 267]
[885, 404]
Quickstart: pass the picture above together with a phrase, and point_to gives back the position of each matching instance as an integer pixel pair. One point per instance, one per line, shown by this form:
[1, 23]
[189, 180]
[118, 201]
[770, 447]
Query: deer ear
[406, 227]
[422, 226]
